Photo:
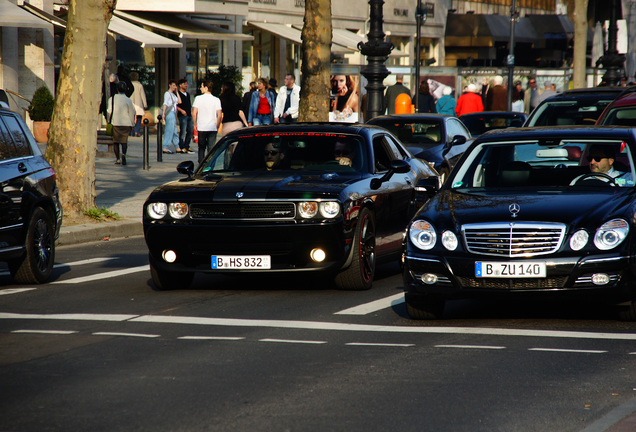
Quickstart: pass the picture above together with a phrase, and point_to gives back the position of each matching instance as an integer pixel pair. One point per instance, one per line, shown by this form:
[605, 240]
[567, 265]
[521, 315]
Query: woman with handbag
[121, 113]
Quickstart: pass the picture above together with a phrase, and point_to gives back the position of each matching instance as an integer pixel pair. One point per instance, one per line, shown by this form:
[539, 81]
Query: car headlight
[422, 235]
[579, 240]
[449, 240]
[611, 234]
[157, 210]
[178, 210]
[308, 209]
[329, 209]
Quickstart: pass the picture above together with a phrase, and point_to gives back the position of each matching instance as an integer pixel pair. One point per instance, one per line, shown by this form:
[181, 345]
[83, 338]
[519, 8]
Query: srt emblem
[514, 209]
[239, 194]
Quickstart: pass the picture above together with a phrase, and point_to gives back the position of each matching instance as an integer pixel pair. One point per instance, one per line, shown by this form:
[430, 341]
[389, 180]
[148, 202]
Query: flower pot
[41, 130]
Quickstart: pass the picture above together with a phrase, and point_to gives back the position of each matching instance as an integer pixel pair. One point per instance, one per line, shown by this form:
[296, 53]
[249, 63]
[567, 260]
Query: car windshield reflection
[414, 132]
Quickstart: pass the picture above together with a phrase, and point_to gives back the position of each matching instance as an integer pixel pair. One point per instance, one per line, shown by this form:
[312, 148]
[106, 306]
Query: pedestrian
[531, 96]
[184, 115]
[121, 113]
[287, 102]
[247, 97]
[121, 75]
[206, 116]
[446, 104]
[469, 101]
[233, 115]
[392, 93]
[425, 101]
[138, 98]
[169, 114]
[497, 96]
[547, 92]
[517, 97]
[262, 105]
[113, 80]
[272, 87]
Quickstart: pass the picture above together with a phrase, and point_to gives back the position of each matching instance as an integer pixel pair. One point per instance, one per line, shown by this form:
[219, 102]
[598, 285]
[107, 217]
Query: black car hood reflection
[568, 207]
[261, 185]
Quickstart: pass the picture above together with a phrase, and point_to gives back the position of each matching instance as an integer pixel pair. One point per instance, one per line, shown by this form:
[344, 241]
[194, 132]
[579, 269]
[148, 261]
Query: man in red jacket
[469, 101]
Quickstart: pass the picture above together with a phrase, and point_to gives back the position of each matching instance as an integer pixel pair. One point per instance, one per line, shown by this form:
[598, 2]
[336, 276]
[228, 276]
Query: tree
[579, 17]
[72, 142]
[316, 61]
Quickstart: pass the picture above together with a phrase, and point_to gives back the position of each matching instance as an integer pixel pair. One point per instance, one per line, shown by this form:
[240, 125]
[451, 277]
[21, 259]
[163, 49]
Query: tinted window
[413, 132]
[382, 154]
[456, 128]
[7, 150]
[20, 142]
[623, 116]
[580, 112]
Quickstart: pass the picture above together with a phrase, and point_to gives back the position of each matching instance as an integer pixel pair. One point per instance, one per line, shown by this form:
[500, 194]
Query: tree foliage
[41, 106]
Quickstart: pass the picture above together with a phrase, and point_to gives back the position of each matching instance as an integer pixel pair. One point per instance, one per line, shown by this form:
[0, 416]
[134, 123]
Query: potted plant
[40, 110]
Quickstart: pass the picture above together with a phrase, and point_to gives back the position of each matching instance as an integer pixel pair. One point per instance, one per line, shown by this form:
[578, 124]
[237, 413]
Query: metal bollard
[146, 146]
[159, 139]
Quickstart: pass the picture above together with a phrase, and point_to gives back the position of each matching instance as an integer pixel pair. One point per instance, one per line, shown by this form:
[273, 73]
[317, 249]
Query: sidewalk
[124, 189]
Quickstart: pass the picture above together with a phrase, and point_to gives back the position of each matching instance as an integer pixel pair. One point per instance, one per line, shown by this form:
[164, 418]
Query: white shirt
[207, 106]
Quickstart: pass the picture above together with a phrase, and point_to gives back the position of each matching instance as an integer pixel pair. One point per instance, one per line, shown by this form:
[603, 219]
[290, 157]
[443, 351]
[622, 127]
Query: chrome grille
[513, 239]
[243, 210]
[512, 284]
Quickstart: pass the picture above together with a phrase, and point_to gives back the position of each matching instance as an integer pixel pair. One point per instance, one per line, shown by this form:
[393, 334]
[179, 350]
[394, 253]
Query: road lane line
[374, 306]
[15, 290]
[369, 344]
[84, 262]
[293, 341]
[106, 275]
[69, 316]
[471, 347]
[58, 332]
[221, 338]
[142, 335]
[568, 350]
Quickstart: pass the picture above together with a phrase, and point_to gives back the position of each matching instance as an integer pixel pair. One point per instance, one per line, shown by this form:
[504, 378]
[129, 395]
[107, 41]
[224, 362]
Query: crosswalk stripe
[105, 275]
[374, 306]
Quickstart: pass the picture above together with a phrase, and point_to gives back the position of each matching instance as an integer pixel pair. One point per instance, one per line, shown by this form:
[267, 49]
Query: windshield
[255, 151]
[414, 132]
[478, 124]
[578, 112]
[547, 164]
[622, 116]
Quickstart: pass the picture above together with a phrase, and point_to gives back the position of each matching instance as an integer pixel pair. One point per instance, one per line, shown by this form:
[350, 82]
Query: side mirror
[397, 166]
[457, 140]
[186, 168]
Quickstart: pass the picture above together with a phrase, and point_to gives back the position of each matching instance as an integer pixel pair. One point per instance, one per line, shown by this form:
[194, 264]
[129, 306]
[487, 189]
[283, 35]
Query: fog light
[318, 255]
[169, 256]
[600, 279]
[429, 278]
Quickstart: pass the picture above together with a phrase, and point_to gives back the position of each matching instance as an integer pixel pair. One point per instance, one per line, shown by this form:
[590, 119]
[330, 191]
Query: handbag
[109, 125]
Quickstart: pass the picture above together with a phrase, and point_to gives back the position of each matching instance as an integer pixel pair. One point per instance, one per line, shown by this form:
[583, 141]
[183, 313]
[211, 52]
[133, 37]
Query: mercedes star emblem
[239, 194]
[514, 209]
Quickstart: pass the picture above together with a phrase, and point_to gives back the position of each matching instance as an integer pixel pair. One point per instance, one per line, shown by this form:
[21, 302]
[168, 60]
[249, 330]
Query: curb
[84, 233]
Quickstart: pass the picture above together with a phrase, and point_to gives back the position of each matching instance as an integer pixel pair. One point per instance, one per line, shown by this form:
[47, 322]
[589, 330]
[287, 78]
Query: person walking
[169, 114]
[233, 115]
[425, 101]
[262, 105]
[469, 101]
[247, 97]
[206, 116]
[531, 96]
[121, 113]
[138, 99]
[446, 104]
[517, 97]
[392, 93]
[184, 115]
[497, 96]
[287, 101]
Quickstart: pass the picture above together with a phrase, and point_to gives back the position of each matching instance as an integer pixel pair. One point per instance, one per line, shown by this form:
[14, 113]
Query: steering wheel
[599, 176]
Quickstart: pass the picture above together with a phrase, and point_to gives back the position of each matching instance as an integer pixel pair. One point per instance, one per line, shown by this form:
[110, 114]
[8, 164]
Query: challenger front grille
[243, 210]
[513, 239]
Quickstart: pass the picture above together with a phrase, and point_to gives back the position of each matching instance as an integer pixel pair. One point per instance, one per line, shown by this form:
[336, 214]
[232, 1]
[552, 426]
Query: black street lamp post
[377, 51]
[420, 19]
[514, 15]
[612, 61]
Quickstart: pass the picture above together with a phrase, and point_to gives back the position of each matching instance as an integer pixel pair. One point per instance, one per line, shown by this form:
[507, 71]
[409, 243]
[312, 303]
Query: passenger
[344, 153]
[601, 159]
[273, 156]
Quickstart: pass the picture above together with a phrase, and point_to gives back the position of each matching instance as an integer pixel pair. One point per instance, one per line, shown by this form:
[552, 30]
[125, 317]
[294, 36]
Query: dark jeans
[136, 131]
[207, 139]
[185, 132]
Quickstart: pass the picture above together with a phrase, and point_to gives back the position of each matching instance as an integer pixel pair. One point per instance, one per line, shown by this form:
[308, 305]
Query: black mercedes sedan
[332, 199]
[536, 211]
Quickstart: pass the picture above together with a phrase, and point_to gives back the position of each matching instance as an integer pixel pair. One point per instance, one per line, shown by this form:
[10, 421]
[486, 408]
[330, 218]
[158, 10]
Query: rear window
[561, 113]
[413, 132]
[620, 116]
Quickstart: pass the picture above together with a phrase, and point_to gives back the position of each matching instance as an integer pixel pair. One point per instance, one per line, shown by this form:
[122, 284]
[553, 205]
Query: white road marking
[224, 338]
[84, 262]
[15, 290]
[106, 275]
[293, 341]
[58, 332]
[378, 344]
[471, 347]
[374, 306]
[567, 350]
[125, 334]
[69, 316]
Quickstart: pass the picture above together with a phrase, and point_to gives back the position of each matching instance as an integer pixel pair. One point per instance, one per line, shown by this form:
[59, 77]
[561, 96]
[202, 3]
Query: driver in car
[601, 159]
[273, 155]
[344, 153]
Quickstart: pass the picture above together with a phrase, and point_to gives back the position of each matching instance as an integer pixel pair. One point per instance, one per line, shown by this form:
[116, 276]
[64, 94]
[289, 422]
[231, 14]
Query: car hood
[577, 208]
[261, 185]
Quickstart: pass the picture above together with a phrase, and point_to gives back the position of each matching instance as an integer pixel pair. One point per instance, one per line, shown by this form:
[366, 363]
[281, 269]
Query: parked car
[573, 107]
[621, 112]
[436, 138]
[30, 210]
[482, 122]
[327, 199]
[513, 219]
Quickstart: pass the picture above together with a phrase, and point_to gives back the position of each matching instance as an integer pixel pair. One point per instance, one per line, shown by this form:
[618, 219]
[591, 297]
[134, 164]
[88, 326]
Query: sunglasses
[533, 82]
[341, 152]
[271, 152]
[591, 158]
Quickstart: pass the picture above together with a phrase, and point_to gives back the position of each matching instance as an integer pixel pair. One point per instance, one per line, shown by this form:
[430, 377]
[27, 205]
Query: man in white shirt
[287, 101]
[206, 116]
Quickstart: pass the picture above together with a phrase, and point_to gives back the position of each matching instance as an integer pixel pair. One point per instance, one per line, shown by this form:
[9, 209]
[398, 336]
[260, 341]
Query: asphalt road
[97, 349]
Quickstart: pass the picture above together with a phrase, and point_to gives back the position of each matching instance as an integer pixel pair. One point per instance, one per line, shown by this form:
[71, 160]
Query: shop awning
[181, 25]
[552, 26]
[472, 30]
[14, 16]
[294, 34]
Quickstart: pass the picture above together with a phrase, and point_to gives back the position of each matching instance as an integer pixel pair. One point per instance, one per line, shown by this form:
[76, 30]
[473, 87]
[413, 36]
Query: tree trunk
[580, 43]
[316, 62]
[72, 143]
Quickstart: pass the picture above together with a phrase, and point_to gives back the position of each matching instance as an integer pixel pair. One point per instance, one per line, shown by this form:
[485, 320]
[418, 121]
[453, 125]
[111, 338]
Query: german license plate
[242, 262]
[524, 269]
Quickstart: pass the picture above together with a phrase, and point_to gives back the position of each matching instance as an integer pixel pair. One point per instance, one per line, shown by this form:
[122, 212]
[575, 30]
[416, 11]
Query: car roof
[409, 117]
[625, 99]
[326, 127]
[577, 132]
[587, 93]
[493, 114]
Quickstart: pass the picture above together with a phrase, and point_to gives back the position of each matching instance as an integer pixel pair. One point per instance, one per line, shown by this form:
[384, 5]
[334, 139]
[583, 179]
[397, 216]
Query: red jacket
[469, 103]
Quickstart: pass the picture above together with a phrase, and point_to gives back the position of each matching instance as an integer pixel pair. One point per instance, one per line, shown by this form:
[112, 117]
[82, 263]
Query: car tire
[36, 266]
[627, 312]
[426, 307]
[359, 275]
[164, 280]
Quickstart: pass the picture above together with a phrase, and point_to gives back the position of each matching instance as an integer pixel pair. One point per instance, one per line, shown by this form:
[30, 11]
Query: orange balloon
[403, 104]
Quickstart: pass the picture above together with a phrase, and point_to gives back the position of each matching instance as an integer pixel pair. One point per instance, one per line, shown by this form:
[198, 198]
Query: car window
[7, 149]
[621, 116]
[382, 154]
[398, 150]
[265, 152]
[455, 127]
[413, 132]
[558, 113]
[537, 164]
[16, 132]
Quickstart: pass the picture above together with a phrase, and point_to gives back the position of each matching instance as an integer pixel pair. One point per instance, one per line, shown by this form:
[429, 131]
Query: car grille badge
[514, 209]
[239, 194]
